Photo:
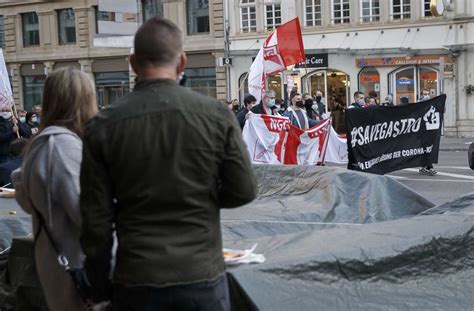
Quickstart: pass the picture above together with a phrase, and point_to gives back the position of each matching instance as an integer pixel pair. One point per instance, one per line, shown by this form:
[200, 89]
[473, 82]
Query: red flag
[284, 47]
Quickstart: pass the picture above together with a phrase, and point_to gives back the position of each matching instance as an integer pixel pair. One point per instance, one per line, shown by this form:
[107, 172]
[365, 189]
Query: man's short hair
[249, 99]
[269, 93]
[17, 146]
[158, 42]
[306, 94]
[357, 93]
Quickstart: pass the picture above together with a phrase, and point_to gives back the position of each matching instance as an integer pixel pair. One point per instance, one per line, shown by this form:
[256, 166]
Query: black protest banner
[385, 139]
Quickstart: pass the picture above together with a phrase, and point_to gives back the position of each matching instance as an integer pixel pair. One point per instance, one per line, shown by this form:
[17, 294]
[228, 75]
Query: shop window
[243, 86]
[401, 9]
[369, 81]
[313, 13]
[426, 8]
[369, 11]
[66, 26]
[2, 32]
[407, 84]
[111, 86]
[248, 16]
[202, 80]
[30, 28]
[428, 81]
[341, 12]
[272, 16]
[33, 90]
[152, 8]
[197, 16]
[274, 83]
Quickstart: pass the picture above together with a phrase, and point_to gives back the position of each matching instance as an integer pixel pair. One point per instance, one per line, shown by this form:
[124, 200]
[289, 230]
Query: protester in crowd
[280, 104]
[428, 169]
[388, 100]
[47, 185]
[37, 110]
[308, 107]
[297, 114]
[425, 95]
[320, 104]
[24, 128]
[370, 102]
[249, 102]
[267, 104]
[32, 121]
[16, 158]
[359, 100]
[9, 130]
[372, 94]
[180, 159]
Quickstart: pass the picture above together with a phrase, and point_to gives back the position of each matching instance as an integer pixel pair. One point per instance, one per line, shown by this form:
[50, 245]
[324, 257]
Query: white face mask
[6, 115]
[34, 119]
[22, 119]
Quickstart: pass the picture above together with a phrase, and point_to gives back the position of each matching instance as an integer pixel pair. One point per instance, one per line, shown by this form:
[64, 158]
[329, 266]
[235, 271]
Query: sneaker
[423, 170]
[431, 171]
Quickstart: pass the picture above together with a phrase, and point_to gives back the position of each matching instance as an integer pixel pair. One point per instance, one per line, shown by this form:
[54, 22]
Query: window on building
[202, 80]
[401, 9]
[152, 8]
[66, 26]
[341, 12]
[111, 86]
[30, 28]
[2, 32]
[243, 86]
[272, 16]
[369, 11]
[426, 8]
[197, 14]
[313, 13]
[369, 81]
[248, 16]
[33, 90]
[103, 17]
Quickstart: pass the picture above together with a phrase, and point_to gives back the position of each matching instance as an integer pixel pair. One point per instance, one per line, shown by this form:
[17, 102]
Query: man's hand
[247, 116]
[15, 129]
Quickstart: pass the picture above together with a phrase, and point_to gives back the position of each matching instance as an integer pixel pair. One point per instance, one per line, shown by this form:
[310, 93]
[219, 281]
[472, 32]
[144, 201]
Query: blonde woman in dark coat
[48, 182]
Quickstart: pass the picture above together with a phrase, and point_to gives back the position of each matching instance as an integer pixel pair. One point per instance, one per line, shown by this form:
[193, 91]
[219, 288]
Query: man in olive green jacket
[157, 167]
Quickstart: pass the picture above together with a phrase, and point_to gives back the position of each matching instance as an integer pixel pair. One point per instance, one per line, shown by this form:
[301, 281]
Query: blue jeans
[204, 296]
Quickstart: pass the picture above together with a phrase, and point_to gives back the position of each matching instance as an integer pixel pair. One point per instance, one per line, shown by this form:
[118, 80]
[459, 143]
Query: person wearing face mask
[24, 128]
[249, 102]
[32, 122]
[359, 100]
[319, 103]
[308, 106]
[267, 104]
[297, 114]
[9, 130]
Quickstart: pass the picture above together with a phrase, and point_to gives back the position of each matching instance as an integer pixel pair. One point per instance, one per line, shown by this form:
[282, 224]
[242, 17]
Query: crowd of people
[16, 128]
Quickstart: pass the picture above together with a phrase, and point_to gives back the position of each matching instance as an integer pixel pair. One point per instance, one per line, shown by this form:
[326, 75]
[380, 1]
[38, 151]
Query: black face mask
[318, 98]
[299, 103]
[308, 103]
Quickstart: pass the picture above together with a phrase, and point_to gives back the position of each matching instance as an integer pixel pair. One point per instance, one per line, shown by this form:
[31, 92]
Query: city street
[453, 180]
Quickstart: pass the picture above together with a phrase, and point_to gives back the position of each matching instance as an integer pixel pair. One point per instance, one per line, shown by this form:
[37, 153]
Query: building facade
[384, 46]
[39, 36]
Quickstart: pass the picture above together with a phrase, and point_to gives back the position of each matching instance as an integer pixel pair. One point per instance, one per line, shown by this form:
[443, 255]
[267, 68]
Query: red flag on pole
[282, 48]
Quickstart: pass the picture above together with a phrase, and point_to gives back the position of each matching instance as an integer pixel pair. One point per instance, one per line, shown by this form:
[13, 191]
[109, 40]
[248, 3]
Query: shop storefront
[111, 80]
[33, 77]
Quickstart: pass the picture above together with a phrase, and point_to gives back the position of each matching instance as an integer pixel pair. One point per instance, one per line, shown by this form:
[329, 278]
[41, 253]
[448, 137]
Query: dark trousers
[205, 296]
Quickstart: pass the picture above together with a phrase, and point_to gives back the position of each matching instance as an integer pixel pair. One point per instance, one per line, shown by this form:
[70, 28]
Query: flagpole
[15, 115]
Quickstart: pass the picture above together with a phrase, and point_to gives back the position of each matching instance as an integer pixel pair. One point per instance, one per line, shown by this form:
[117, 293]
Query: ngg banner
[273, 140]
[385, 139]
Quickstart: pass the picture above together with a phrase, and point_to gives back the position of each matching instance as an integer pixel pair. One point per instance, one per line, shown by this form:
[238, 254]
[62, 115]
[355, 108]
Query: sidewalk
[455, 144]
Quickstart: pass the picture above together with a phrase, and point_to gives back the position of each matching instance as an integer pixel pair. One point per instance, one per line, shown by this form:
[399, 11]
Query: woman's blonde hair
[69, 100]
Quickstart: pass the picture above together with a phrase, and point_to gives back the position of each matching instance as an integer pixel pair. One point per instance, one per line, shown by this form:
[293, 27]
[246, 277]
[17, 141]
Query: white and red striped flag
[282, 48]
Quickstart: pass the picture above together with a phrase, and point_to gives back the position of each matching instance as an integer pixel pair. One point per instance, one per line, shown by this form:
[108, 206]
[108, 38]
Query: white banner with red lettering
[337, 148]
[273, 140]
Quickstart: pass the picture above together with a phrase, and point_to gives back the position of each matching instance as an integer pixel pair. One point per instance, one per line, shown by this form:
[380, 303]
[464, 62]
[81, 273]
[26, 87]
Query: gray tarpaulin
[333, 240]
[380, 251]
